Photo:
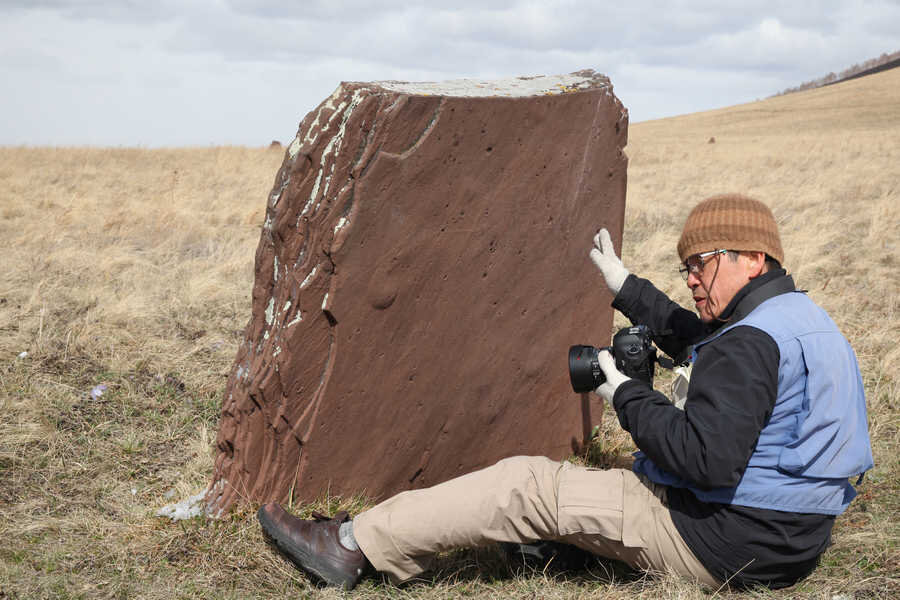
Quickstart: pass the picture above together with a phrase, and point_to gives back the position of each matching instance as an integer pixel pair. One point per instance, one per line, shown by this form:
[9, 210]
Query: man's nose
[693, 280]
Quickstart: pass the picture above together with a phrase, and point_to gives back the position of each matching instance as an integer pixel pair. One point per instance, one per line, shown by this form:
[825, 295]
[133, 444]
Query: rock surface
[422, 270]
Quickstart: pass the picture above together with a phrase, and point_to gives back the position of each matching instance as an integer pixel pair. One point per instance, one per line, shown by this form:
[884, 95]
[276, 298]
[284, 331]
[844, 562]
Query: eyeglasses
[695, 263]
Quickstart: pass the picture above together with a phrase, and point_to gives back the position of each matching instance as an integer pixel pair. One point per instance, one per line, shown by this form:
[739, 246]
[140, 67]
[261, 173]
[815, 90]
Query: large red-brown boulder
[422, 271]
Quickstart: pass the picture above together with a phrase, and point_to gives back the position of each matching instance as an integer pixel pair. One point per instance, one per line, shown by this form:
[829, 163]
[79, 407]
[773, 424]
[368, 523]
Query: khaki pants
[612, 513]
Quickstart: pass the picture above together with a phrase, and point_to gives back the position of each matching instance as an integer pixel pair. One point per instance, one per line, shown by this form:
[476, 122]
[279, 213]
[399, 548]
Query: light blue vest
[817, 435]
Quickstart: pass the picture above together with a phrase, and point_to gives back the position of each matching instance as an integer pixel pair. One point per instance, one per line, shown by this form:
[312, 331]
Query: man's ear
[756, 264]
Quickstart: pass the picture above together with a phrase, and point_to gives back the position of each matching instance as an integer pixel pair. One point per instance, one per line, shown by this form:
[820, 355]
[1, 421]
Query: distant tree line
[885, 60]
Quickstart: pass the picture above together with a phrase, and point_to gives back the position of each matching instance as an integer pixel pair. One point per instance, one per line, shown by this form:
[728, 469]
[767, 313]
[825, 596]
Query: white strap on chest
[680, 385]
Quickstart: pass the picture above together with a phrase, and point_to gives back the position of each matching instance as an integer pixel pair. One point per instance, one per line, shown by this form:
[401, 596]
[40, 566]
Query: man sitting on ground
[741, 486]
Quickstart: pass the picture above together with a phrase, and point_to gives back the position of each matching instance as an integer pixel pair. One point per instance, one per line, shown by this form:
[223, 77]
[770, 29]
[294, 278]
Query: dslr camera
[633, 351]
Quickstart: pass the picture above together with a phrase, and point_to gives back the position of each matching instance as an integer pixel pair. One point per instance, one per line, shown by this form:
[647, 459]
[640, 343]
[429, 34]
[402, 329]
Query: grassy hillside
[873, 65]
[132, 269]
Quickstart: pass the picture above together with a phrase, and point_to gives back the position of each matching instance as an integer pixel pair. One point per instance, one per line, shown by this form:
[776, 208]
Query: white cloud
[246, 71]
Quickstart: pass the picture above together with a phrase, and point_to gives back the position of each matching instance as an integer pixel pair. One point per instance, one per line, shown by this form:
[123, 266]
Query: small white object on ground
[23, 355]
[188, 508]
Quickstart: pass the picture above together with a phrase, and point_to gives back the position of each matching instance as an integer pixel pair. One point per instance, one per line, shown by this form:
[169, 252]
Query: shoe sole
[304, 560]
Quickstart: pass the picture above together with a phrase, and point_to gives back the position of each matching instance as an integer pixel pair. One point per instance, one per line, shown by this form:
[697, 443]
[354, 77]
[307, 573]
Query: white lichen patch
[277, 351]
[327, 184]
[335, 143]
[314, 128]
[340, 224]
[344, 187]
[294, 147]
[276, 196]
[276, 268]
[325, 301]
[332, 149]
[313, 194]
[315, 191]
[287, 305]
[296, 319]
[270, 311]
[313, 131]
[539, 85]
[309, 277]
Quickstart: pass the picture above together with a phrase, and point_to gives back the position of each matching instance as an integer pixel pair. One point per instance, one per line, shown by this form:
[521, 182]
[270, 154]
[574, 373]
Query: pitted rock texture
[422, 271]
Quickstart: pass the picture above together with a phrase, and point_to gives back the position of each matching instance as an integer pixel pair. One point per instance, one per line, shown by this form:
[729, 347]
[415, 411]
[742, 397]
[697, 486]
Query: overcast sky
[200, 72]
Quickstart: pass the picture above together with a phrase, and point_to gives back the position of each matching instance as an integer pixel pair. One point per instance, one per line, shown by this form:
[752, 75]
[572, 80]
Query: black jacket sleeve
[731, 396]
[643, 304]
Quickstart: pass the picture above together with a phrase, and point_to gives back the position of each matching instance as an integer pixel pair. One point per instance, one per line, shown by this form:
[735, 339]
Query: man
[741, 486]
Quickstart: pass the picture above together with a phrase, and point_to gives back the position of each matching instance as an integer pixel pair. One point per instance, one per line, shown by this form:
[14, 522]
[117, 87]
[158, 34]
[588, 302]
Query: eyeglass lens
[693, 264]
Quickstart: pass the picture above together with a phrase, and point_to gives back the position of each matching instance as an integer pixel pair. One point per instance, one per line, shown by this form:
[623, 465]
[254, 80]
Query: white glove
[604, 256]
[614, 377]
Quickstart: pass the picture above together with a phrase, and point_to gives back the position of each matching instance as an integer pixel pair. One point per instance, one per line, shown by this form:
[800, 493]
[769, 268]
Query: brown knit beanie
[730, 222]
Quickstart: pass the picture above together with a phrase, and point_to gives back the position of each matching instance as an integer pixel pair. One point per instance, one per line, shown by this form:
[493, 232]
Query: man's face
[720, 279]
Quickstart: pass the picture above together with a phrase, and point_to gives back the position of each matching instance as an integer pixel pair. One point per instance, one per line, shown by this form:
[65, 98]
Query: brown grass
[133, 268]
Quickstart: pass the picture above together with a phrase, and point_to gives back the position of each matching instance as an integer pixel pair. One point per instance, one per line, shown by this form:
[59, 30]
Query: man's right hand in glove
[614, 377]
[603, 255]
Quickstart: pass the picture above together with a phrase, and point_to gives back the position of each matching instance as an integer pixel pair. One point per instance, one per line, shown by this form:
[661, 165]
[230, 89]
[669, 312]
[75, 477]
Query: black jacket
[733, 391]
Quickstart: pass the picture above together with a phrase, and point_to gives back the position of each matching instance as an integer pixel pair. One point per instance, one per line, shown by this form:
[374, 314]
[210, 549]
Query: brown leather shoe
[314, 546]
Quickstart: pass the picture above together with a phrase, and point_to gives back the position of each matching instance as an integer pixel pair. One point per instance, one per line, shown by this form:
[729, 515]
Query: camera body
[633, 351]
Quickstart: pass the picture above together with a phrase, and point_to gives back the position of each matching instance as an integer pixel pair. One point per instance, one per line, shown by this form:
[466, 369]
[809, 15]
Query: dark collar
[771, 284]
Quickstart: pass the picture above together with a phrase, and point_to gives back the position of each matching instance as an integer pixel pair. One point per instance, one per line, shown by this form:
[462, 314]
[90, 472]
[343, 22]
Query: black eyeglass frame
[697, 267]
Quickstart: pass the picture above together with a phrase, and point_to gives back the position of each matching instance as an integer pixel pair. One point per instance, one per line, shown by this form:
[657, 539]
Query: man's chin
[704, 314]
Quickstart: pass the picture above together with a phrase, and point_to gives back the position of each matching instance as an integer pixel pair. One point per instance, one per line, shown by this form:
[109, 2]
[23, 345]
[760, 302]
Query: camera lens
[584, 368]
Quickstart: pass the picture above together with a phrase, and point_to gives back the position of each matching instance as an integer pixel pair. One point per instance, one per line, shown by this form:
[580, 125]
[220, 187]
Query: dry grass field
[132, 269]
